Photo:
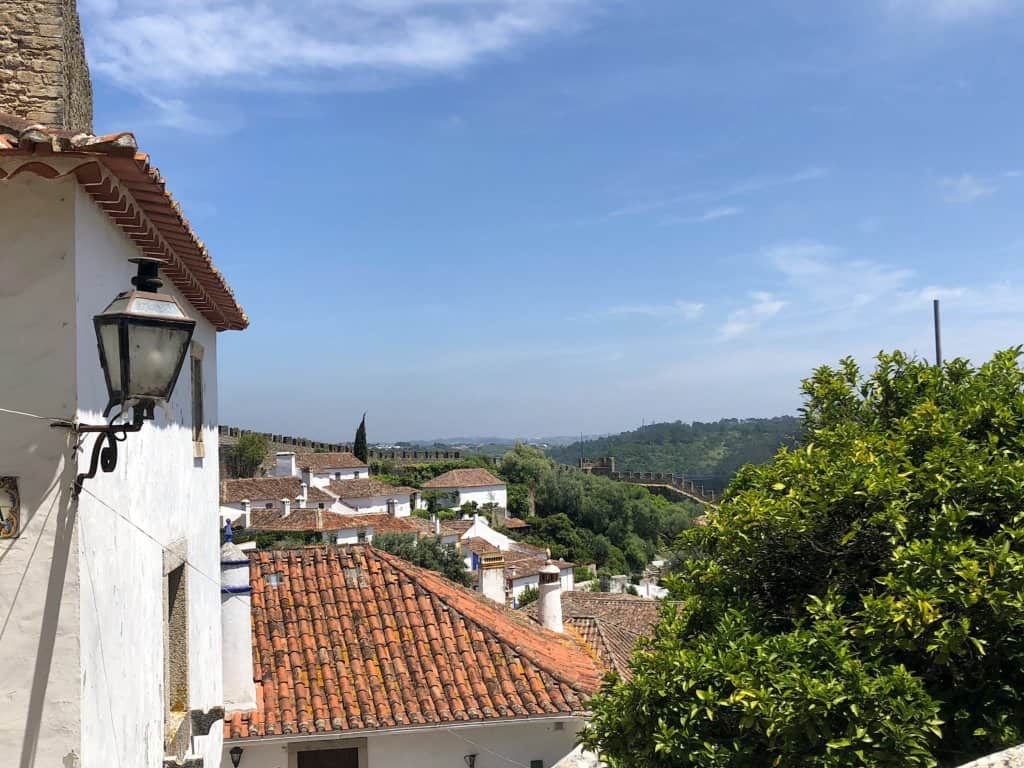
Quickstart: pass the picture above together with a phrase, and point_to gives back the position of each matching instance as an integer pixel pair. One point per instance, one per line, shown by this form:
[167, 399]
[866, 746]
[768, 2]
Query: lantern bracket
[104, 450]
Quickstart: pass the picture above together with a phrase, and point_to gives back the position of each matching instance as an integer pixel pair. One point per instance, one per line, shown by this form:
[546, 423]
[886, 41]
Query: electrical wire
[59, 419]
[498, 755]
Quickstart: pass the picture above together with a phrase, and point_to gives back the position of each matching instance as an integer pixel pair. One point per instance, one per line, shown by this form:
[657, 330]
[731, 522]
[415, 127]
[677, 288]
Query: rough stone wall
[1011, 758]
[44, 76]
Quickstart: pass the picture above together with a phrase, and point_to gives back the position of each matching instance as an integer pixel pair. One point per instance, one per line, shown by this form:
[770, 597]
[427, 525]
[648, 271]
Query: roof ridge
[521, 625]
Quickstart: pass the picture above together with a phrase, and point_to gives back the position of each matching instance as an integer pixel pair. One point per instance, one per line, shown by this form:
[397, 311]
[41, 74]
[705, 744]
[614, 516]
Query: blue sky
[542, 217]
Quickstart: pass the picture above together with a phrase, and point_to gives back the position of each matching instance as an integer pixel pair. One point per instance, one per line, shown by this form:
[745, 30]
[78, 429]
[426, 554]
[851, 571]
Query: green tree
[359, 448]
[427, 552]
[857, 601]
[527, 596]
[526, 466]
[250, 452]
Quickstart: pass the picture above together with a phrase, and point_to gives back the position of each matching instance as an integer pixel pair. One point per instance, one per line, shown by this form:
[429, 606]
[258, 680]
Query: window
[198, 448]
[361, 536]
[536, 764]
[392, 507]
[320, 505]
[357, 474]
[175, 667]
[269, 505]
[337, 475]
[329, 758]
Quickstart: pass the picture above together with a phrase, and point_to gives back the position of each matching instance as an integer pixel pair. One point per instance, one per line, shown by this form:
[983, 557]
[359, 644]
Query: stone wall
[1010, 758]
[44, 76]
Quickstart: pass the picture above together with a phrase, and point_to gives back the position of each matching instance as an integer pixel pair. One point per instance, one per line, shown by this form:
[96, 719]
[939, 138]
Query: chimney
[286, 507]
[236, 627]
[549, 604]
[284, 464]
[307, 477]
[246, 513]
[44, 76]
[319, 519]
[437, 523]
[492, 576]
[304, 493]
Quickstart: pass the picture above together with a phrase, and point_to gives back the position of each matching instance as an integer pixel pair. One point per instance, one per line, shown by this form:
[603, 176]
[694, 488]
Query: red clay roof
[302, 520]
[325, 462]
[611, 624]
[528, 565]
[478, 545]
[354, 638]
[268, 488]
[122, 182]
[366, 488]
[514, 523]
[464, 478]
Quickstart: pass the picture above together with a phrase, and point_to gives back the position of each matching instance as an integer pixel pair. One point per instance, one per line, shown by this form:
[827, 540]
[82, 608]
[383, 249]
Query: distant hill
[707, 452]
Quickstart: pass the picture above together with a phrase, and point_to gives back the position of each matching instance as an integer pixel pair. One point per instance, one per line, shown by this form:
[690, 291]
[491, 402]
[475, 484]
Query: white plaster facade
[82, 611]
[376, 505]
[488, 494]
[533, 582]
[511, 744]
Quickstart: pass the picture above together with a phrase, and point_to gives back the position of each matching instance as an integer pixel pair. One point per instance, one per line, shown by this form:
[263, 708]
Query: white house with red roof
[319, 469]
[349, 657]
[108, 579]
[467, 486]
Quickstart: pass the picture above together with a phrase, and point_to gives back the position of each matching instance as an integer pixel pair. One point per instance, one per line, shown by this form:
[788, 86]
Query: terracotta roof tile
[463, 478]
[133, 194]
[611, 624]
[366, 488]
[274, 488]
[478, 545]
[304, 520]
[324, 462]
[527, 564]
[514, 523]
[353, 638]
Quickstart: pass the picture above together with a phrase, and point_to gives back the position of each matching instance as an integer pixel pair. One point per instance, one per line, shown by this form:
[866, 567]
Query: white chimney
[304, 493]
[286, 507]
[492, 576]
[437, 524]
[307, 477]
[246, 513]
[236, 627]
[285, 464]
[549, 604]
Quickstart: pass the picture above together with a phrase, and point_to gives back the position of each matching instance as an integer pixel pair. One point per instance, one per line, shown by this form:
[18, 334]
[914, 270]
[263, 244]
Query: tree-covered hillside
[710, 452]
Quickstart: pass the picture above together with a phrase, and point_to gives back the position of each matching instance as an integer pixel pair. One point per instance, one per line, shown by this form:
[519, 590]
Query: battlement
[605, 466]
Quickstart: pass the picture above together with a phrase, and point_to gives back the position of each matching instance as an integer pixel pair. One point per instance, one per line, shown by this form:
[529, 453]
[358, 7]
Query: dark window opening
[329, 758]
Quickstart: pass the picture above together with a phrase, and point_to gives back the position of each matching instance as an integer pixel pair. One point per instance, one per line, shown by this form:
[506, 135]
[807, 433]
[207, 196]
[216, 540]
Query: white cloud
[965, 188]
[737, 189]
[686, 310]
[763, 306]
[260, 45]
[711, 215]
[952, 10]
[817, 272]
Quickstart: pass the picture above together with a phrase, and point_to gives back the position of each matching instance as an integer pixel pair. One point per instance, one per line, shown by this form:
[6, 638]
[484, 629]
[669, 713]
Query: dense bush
[427, 552]
[857, 601]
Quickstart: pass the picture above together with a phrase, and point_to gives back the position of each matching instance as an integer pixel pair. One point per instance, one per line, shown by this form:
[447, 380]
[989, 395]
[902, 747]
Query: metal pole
[938, 333]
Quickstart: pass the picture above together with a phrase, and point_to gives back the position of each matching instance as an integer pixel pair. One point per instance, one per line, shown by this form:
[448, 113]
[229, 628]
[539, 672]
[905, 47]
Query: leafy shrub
[527, 596]
[857, 601]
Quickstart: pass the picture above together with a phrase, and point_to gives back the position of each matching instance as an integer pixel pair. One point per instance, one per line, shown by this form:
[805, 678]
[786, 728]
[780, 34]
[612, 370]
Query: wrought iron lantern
[143, 337]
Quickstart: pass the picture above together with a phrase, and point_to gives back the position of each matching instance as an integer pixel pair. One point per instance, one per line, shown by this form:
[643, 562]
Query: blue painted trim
[237, 590]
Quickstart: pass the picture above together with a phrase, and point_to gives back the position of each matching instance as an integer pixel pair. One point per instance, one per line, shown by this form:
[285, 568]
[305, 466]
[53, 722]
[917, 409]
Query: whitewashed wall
[496, 746]
[323, 479]
[379, 505]
[481, 530]
[160, 488]
[39, 576]
[533, 582]
[491, 494]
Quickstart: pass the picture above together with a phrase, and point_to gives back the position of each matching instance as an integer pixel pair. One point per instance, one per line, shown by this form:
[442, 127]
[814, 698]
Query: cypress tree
[359, 447]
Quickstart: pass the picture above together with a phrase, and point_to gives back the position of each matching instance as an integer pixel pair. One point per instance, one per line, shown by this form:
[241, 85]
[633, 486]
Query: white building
[466, 486]
[244, 495]
[368, 630]
[319, 469]
[370, 496]
[106, 641]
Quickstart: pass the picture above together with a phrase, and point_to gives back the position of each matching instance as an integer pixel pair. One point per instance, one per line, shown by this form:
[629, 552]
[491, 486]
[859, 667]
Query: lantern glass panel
[156, 352]
[109, 336]
[163, 306]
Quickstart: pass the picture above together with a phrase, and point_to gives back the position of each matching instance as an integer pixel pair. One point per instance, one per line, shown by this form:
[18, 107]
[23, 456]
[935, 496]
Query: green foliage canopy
[426, 552]
[250, 452]
[857, 601]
